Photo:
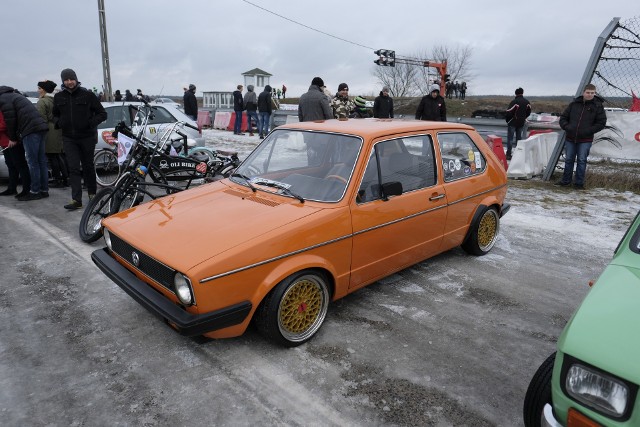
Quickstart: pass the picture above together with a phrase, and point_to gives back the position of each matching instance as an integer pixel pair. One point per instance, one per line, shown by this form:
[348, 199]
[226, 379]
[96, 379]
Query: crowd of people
[59, 130]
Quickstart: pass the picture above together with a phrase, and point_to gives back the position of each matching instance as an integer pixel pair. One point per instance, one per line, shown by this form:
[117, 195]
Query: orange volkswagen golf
[315, 212]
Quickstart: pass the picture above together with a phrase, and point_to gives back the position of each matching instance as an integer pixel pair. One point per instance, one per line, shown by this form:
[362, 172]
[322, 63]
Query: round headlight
[183, 289]
[107, 238]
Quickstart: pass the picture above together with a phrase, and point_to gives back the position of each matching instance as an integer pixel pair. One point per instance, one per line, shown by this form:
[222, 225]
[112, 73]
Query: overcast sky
[160, 46]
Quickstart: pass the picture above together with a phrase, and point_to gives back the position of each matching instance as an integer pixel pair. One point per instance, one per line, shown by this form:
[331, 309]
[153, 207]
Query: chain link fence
[617, 73]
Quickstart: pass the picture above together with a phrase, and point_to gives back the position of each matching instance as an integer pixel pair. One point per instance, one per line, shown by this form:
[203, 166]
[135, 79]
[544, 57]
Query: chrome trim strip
[279, 257]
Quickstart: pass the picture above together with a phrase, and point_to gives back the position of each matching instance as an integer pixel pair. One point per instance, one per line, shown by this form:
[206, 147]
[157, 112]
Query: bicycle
[107, 167]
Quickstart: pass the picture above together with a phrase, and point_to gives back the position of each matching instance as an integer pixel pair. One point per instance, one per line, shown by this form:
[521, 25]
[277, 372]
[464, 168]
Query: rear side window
[461, 158]
[161, 115]
[115, 115]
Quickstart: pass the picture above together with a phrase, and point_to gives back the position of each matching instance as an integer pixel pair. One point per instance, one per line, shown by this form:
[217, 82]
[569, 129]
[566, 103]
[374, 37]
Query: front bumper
[185, 323]
[548, 420]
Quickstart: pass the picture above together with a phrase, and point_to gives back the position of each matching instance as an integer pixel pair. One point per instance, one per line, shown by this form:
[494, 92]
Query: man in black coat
[581, 120]
[78, 112]
[26, 130]
[265, 108]
[383, 105]
[190, 102]
[238, 108]
[432, 106]
[516, 115]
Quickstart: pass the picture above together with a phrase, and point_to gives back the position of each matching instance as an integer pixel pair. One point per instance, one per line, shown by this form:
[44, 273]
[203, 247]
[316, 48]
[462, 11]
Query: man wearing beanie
[432, 106]
[383, 105]
[78, 113]
[314, 105]
[53, 142]
[517, 112]
[341, 105]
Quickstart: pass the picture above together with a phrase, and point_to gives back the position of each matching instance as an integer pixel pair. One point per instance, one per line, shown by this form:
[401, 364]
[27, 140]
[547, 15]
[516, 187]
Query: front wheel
[101, 206]
[107, 167]
[295, 309]
[483, 232]
[538, 394]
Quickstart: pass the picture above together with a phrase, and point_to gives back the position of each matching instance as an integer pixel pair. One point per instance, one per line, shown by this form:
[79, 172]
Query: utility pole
[106, 68]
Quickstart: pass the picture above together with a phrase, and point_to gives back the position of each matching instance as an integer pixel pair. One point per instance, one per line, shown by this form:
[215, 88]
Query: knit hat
[317, 81]
[68, 74]
[47, 85]
[343, 86]
[360, 101]
[435, 88]
[385, 89]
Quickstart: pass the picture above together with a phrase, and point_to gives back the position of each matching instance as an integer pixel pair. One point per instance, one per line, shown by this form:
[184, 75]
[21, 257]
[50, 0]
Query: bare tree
[398, 79]
[458, 60]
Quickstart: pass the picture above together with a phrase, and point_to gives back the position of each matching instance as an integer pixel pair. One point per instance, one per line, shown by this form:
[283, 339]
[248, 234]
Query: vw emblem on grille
[136, 258]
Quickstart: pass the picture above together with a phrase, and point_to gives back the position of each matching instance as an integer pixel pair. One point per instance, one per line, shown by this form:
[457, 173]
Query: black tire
[483, 232]
[538, 393]
[295, 309]
[90, 229]
[127, 195]
[107, 167]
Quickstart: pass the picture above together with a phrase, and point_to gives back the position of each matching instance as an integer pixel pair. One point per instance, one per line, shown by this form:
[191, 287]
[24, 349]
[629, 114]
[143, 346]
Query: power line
[308, 27]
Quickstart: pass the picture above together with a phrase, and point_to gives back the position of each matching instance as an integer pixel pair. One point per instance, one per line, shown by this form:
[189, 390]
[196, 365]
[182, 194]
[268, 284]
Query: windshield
[309, 165]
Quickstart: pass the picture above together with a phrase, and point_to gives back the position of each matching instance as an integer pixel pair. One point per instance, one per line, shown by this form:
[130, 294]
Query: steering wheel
[338, 177]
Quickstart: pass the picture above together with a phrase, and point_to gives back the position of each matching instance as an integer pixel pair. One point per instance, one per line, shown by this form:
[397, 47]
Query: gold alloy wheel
[488, 230]
[303, 308]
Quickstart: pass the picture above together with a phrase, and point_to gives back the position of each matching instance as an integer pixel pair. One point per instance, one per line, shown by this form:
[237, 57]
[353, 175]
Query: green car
[592, 379]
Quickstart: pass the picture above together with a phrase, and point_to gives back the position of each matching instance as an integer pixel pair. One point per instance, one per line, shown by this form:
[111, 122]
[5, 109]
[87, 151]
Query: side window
[409, 161]
[461, 157]
[114, 116]
[160, 115]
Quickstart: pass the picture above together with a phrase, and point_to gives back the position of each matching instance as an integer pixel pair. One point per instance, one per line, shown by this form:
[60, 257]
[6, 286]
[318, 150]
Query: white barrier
[628, 123]
[531, 156]
[221, 120]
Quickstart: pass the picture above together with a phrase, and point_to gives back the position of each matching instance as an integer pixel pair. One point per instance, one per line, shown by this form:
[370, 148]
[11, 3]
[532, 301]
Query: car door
[393, 232]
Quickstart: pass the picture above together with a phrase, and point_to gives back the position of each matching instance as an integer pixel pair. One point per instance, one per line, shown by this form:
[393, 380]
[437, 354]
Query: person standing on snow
[432, 106]
[190, 102]
[265, 107]
[517, 112]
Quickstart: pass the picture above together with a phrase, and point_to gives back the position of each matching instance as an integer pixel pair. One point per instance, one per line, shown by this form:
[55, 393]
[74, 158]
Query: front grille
[147, 265]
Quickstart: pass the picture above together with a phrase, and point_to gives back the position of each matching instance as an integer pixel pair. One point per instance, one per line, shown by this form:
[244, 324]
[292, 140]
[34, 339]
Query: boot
[8, 192]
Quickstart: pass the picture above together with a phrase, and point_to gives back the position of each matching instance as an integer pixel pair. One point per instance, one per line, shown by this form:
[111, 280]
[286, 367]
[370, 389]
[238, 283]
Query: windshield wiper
[246, 179]
[280, 186]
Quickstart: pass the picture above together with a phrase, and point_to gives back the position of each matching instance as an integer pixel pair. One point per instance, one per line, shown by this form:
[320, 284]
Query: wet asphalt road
[452, 341]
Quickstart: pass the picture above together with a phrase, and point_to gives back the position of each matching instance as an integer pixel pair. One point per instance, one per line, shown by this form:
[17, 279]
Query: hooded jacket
[518, 111]
[78, 113]
[314, 105]
[383, 107]
[250, 99]
[20, 115]
[264, 100]
[581, 120]
[431, 108]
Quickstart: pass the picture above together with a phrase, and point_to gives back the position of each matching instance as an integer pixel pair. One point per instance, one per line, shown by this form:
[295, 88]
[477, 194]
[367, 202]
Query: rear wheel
[483, 232]
[538, 394]
[99, 207]
[127, 195]
[107, 167]
[295, 309]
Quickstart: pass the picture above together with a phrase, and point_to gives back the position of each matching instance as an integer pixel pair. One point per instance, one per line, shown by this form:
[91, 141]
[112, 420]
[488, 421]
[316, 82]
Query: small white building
[224, 99]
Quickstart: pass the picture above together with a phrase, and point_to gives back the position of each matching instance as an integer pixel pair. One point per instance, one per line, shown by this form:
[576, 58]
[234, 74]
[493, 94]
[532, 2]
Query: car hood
[187, 228]
[604, 330]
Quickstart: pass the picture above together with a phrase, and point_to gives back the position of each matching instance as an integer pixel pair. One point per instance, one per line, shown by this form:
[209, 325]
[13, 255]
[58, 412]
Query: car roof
[375, 127]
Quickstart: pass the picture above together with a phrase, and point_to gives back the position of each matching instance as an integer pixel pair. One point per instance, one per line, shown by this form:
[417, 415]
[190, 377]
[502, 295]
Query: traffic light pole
[388, 58]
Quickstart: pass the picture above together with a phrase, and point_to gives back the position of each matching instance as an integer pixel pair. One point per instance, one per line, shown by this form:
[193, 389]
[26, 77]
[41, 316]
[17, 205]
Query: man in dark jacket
[26, 130]
[314, 104]
[190, 102]
[265, 107]
[516, 115]
[581, 120]
[238, 108]
[432, 106]
[78, 113]
[383, 105]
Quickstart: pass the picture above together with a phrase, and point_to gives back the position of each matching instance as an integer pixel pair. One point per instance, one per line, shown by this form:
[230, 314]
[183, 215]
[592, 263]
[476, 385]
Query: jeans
[37, 161]
[263, 122]
[511, 131]
[237, 126]
[254, 115]
[18, 168]
[571, 151]
[80, 151]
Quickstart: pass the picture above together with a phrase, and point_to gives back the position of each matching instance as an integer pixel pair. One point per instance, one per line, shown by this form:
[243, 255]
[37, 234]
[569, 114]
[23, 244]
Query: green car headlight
[182, 287]
[597, 391]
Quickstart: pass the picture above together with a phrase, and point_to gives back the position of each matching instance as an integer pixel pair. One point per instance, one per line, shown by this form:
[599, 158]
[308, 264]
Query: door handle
[437, 197]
